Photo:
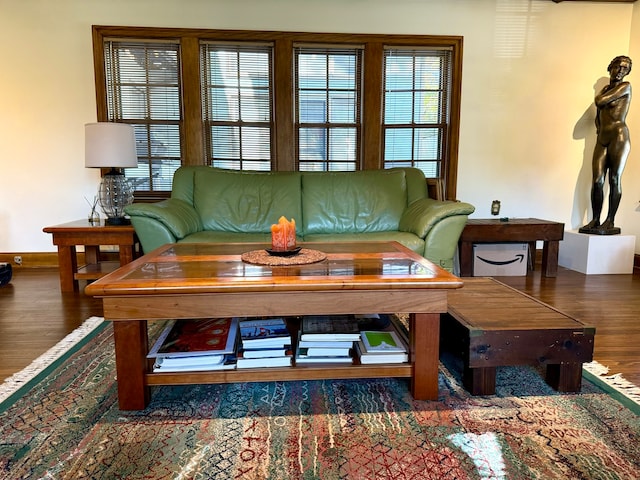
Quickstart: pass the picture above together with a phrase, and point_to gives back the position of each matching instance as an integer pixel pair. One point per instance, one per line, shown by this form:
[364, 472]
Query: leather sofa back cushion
[353, 202]
[235, 201]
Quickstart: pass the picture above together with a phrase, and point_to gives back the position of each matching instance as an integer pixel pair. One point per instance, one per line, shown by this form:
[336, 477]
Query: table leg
[67, 265]
[565, 377]
[466, 259]
[130, 340]
[424, 330]
[550, 250]
[92, 254]
[126, 254]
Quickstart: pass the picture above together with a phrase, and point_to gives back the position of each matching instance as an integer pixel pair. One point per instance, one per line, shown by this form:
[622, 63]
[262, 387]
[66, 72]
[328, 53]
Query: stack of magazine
[196, 345]
[264, 342]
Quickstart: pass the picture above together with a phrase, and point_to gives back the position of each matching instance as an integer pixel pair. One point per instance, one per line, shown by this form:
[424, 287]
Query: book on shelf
[199, 363]
[382, 341]
[332, 328]
[191, 338]
[264, 333]
[302, 358]
[265, 352]
[326, 351]
[264, 362]
[377, 358]
[324, 344]
[329, 328]
[382, 346]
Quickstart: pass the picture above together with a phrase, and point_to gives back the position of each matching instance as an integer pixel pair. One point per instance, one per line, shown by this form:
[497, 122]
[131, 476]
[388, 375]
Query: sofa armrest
[440, 224]
[422, 215]
[163, 222]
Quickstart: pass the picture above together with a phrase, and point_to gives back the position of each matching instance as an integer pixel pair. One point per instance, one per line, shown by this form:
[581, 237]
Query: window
[327, 102]
[143, 89]
[236, 98]
[416, 108]
[259, 100]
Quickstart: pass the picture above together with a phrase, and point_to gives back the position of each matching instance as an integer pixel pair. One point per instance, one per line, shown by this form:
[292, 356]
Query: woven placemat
[262, 257]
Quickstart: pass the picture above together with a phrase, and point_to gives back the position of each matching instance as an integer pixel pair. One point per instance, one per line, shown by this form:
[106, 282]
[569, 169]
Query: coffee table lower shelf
[270, 374]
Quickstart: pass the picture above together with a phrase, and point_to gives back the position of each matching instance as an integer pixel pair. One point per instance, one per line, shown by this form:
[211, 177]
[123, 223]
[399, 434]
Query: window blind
[143, 89]
[237, 103]
[328, 107]
[417, 86]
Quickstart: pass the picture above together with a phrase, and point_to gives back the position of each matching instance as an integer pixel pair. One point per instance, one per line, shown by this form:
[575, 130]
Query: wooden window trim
[284, 135]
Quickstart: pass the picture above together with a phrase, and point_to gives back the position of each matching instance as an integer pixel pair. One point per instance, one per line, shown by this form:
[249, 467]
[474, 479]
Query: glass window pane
[427, 107]
[255, 105]
[426, 146]
[312, 107]
[312, 144]
[342, 107]
[224, 105]
[256, 143]
[398, 108]
[342, 144]
[428, 73]
[225, 141]
[398, 143]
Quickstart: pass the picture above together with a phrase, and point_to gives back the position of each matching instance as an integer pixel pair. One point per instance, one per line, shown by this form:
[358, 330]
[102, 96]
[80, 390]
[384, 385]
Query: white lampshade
[108, 144]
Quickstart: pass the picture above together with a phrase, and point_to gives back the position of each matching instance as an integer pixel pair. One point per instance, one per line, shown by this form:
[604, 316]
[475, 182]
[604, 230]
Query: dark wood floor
[34, 315]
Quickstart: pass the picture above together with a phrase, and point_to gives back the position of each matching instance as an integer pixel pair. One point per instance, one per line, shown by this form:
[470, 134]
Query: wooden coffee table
[211, 280]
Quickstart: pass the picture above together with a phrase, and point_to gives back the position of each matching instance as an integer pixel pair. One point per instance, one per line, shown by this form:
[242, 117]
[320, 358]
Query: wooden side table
[80, 232]
[530, 230]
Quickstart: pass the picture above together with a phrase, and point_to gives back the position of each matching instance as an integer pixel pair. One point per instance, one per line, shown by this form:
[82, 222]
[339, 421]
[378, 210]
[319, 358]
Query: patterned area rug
[69, 426]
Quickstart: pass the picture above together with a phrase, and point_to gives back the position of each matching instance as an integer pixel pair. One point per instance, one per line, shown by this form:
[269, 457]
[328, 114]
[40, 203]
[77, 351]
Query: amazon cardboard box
[500, 259]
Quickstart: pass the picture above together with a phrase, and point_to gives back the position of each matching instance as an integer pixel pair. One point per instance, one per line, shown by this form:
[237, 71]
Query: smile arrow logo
[519, 258]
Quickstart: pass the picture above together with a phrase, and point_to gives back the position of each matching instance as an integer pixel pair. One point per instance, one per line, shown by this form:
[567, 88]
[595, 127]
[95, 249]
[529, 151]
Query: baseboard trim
[46, 259]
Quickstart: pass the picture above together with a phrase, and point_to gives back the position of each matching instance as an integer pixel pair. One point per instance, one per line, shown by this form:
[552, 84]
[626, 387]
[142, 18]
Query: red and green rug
[68, 425]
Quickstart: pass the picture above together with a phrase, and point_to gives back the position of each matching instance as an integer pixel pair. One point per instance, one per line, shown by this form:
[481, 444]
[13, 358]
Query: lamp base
[117, 221]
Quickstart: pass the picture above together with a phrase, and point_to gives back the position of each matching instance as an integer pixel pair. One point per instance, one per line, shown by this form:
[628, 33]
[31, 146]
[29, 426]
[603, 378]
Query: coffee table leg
[424, 330]
[130, 339]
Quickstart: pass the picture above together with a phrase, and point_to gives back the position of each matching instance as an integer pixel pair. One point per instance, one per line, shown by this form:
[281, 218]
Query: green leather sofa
[215, 205]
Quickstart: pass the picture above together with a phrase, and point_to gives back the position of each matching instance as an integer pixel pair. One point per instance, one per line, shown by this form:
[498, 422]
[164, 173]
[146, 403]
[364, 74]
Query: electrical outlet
[17, 260]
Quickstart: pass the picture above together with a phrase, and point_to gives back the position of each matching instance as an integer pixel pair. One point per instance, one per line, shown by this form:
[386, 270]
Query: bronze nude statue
[612, 145]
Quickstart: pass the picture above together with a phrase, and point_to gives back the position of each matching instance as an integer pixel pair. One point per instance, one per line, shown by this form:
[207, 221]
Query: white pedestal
[597, 254]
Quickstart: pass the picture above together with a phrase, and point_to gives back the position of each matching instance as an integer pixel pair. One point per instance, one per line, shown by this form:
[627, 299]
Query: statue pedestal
[597, 254]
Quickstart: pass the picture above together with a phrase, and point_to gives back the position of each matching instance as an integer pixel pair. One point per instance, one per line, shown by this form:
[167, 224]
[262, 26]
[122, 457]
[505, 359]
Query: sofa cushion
[209, 236]
[407, 239]
[353, 202]
[236, 201]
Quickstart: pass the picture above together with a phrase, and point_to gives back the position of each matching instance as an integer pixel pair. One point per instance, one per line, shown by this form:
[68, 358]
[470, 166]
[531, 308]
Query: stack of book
[381, 346]
[327, 339]
[196, 345]
[264, 342]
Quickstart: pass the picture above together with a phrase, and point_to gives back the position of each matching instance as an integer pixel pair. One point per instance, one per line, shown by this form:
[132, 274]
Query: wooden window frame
[284, 136]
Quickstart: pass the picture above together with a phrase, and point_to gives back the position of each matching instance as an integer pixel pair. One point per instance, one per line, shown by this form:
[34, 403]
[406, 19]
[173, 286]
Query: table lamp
[112, 145]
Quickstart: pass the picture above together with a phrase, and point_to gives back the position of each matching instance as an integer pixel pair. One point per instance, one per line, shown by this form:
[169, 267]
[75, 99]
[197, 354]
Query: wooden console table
[493, 230]
[80, 232]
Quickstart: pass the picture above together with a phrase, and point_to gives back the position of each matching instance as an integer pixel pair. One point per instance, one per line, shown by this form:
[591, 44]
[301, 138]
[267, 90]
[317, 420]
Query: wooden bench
[491, 324]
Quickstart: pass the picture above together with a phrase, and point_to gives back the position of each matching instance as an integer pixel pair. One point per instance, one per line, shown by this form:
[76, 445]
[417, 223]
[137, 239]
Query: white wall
[530, 67]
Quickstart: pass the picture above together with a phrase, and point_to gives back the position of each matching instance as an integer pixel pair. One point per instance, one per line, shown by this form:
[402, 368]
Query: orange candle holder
[283, 235]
